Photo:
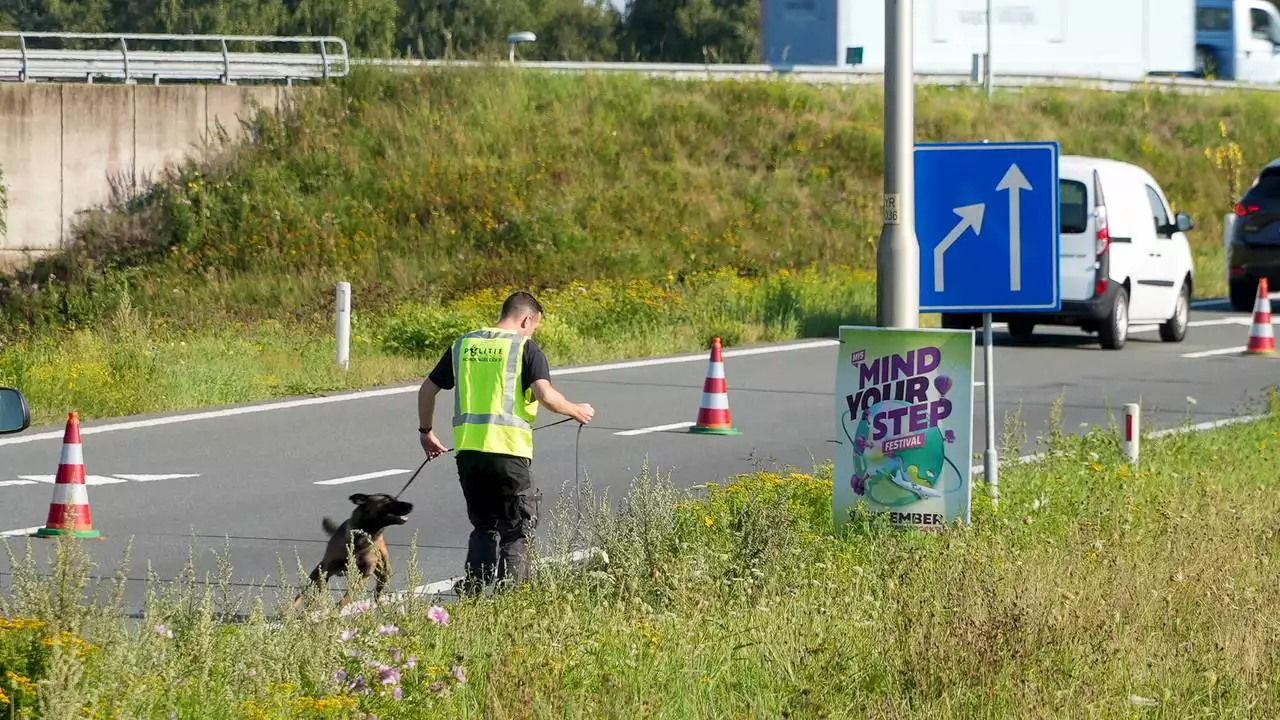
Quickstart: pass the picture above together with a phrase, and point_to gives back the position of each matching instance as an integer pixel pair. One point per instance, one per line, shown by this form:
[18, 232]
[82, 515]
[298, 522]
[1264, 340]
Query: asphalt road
[264, 475]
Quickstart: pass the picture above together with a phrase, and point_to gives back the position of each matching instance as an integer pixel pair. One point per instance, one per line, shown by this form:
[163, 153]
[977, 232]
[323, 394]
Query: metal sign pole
[898, 256]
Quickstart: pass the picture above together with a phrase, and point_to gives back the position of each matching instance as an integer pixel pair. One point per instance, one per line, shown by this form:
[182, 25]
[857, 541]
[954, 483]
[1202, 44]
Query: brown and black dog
[372, 515]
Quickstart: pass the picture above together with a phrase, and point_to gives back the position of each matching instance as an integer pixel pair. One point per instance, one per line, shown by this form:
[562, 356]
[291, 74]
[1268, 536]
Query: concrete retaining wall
[60, 146]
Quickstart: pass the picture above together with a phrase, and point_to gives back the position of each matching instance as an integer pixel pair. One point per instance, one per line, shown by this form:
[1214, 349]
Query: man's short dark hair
[519, 303]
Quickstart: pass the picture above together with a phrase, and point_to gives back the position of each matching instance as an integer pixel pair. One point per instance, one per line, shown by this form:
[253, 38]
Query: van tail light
[1103, 244]
[1104, 231]
[1243, 210]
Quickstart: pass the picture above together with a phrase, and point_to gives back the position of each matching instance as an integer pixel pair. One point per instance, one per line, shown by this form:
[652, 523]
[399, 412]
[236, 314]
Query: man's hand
[583, 412]
[432, 445]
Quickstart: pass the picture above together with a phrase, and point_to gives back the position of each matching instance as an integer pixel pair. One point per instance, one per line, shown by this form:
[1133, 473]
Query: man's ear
[359, 498]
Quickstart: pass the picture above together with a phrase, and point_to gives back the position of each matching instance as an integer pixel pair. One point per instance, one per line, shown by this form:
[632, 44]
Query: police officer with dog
[500, 376]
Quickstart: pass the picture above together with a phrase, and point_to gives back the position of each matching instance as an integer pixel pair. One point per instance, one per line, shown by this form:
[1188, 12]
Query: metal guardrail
[27, 64]
[817, 74]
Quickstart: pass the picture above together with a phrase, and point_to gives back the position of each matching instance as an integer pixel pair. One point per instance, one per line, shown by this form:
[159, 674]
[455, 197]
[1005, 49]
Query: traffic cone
[70, 495]
[1261, 339]
[713, 414]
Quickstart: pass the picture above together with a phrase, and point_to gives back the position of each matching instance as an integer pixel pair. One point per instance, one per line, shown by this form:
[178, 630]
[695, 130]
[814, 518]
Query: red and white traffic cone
[713, 414]
[1261, 339]
[69, 512]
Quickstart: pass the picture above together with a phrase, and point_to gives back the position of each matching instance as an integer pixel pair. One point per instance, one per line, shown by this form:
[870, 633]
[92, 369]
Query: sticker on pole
[904, 420]
[892, 209]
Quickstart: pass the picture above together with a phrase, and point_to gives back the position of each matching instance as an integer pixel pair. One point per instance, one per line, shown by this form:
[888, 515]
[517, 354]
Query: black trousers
[502, 505]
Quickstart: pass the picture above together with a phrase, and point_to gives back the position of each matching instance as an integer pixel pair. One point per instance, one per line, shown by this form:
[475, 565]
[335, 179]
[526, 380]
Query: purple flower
[395, 655]
[398, 693]
[458, 675]
[943, 383]
[438, 615]
[358, 685]
[354, 653]
[389, 675]
[340, 676]
[162, 631]
[436, 686]
[411, 663]
[348, 634]
[388, 630]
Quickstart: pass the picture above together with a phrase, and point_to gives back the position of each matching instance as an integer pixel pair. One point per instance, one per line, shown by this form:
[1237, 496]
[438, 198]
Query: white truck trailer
[1110, 39]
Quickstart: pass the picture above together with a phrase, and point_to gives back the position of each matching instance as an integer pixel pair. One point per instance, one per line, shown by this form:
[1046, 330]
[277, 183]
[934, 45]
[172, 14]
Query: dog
[363, 530]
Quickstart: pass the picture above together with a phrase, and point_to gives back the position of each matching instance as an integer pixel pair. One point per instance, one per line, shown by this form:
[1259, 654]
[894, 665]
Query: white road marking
[1219, 351]
[88, 479]
[155, 478]
[656, 428]
[114, 479]
[20, 532]
[358, 478]
[398, 390]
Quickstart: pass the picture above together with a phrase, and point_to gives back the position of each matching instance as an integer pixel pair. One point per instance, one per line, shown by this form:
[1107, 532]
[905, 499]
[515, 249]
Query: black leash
[449, 450]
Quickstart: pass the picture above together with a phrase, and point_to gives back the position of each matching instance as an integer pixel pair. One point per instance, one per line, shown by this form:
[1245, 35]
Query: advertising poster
[904, 422]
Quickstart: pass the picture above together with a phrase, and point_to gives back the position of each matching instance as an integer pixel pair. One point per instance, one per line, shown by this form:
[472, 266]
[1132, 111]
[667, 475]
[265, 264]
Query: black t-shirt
[534, 367]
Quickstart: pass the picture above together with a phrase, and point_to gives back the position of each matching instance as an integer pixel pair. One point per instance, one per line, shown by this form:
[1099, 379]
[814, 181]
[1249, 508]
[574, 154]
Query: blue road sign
[987, 224]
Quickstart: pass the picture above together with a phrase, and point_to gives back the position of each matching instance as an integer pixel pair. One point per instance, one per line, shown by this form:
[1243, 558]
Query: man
[500, 376]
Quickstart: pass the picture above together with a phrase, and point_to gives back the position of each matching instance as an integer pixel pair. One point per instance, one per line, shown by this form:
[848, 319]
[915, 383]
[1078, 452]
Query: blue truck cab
[1238, 40]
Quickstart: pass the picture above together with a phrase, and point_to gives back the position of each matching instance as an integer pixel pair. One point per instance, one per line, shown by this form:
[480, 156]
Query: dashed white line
[154, 478]
[358, 478]
[656, 428]
[1219, 351]
[10, 483]
[398, 390]
[20, 532]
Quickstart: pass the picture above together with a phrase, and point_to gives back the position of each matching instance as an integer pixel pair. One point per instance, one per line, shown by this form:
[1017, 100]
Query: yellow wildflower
[21, 682]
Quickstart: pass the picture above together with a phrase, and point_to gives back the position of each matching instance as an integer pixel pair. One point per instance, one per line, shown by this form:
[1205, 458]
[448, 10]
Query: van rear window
[1073, 207]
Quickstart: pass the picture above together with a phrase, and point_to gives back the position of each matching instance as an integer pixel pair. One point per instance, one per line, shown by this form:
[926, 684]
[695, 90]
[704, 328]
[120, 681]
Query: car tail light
[1242, 209]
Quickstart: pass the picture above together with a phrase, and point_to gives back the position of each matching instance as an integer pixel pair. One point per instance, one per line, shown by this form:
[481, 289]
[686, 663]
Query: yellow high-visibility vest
[487, 372]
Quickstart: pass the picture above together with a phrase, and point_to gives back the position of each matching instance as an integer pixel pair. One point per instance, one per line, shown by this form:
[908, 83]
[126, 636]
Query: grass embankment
[421, 189]
[1098, 590]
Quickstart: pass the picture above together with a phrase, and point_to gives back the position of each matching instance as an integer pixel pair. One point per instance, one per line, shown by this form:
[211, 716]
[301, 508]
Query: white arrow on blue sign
[987, 224]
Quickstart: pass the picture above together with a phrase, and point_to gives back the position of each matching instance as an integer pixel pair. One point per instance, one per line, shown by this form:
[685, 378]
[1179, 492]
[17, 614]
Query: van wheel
[1115, 330]
[1175, 328]
[1021, 329]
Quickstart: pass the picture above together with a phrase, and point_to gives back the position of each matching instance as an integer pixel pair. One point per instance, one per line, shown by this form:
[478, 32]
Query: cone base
[1260, 353]
[56, 532]
[715, 430]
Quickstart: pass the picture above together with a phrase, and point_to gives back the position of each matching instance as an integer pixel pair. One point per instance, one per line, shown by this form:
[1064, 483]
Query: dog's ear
[359, 498]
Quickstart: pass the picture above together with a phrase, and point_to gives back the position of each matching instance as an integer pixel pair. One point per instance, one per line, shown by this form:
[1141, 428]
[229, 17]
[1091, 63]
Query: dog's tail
[329, 526]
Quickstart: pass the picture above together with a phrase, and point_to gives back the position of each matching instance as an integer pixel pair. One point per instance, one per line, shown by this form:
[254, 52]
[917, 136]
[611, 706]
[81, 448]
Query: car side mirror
[1183, 222]
[15, 414]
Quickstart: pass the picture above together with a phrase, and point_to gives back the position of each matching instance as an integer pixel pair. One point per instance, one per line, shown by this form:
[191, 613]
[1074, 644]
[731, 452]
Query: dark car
[1254, 250]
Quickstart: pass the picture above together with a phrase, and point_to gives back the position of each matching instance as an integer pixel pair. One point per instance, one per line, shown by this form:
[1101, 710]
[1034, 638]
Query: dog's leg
[313, 580]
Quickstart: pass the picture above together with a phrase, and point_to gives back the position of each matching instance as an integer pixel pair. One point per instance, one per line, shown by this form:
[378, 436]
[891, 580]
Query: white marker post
[344, 324]
[1131, 432]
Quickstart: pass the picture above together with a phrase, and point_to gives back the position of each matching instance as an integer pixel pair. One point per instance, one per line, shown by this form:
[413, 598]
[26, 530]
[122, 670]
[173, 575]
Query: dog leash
[449, 450]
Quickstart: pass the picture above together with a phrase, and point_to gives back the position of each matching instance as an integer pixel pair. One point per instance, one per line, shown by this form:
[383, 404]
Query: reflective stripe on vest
[487, 423]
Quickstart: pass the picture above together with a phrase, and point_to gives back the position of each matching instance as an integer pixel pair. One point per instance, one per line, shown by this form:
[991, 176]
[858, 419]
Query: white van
[1125, 257]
